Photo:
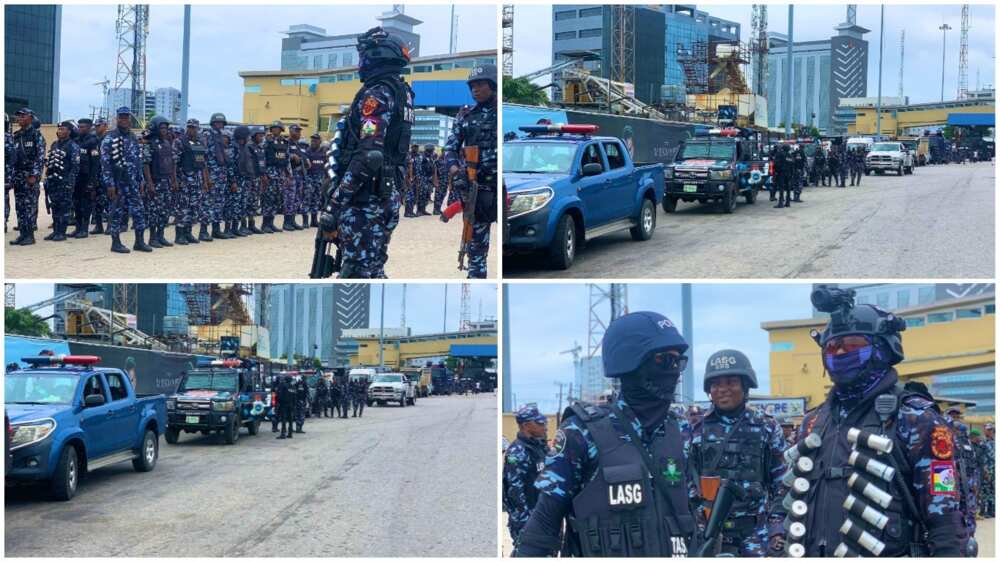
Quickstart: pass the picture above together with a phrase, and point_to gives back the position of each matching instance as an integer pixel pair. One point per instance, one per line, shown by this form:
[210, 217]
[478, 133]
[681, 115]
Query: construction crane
[963, 55]
[402, 316]
[104, 111]
[575, 350]
[507, 24]
[63, 297]
[596, 88]
[132, 31]
[759, 49]
[902, 59]
[9, 295]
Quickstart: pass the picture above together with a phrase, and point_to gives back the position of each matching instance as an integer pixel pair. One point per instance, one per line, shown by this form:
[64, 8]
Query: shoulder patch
[942, 443]
[943, 479]
[369, 105]
[368, 127]
[559, 443]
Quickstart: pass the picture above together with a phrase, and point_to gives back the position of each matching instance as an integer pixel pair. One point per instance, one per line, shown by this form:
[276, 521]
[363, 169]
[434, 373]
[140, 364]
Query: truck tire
[148, 454]
[172, 435]
[232, 431]
[67, 476]
[751, 196]
[563, 247]
[647, 222]
[254, 426]
[728, 202]
[402, 400]
[669, 204]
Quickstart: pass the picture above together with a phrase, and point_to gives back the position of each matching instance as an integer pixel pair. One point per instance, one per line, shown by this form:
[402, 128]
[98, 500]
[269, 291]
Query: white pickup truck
[392, 387]
[889, 156]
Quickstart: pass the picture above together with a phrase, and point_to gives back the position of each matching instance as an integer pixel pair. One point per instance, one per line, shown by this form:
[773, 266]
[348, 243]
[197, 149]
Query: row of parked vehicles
[66, 415]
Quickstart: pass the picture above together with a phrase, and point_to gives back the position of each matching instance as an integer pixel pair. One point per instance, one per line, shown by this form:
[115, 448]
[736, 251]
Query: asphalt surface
[935, 224]
[416, 481]
[421, 248]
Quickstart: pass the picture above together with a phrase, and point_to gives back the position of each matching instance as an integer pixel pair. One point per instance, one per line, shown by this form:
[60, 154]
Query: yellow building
[395, 351]
[953, 337]
[316, 98]
[897, 119]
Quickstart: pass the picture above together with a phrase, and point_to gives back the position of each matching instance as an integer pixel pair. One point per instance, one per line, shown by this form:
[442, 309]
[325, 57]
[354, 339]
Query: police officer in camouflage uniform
[316, 155]
[61, 169]
[478, 126]
[737, 443]
[523, 460]
[161, 179]
[294, 190]
[856, 163]
[987, 463]
[88, 180]
[253, 197]
[359, 397]
[102, 205]
[121, 173]
[800, 172]
[245, 171]
[301, 402]
[619, 473]
[441, 182]
[426, 179]
[279, 174]
[377, 133]
[286, 405]
[860, 345]
[194, 182]
[10, 157]
[29, 148]
[217, 161]
[412, 181]
[968, 472]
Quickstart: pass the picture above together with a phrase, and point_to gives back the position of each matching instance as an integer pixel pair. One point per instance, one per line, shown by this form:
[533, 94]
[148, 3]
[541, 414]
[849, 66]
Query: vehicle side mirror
[592, 169]
[92, 400]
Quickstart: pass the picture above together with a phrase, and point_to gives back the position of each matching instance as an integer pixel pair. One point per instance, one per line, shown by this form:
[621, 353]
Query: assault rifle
[469, 205]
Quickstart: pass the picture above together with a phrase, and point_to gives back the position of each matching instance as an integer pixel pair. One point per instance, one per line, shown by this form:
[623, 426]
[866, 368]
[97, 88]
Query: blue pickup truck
[69, 417]
[566, 186]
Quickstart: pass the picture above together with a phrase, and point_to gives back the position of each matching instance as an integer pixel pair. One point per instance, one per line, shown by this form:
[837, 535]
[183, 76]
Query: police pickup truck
[718, 166]
[566, 186]
[217, 396]
[69, 417]
[392, 387]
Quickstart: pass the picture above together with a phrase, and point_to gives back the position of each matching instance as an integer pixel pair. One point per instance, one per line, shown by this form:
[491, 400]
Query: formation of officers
[332, 399]
[875, 470]
[829, 168]
[214, 183]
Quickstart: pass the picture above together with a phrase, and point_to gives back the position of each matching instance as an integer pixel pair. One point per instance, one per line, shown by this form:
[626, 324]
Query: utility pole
[381, 330]
[507, 402]
[902, 58]
[444, 320]
[185, 65]
[944, 43]
[559, 410]
[791, 75]
[688, 385]
[881, 41]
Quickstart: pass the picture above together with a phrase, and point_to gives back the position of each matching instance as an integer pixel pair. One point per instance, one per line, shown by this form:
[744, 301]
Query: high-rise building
[307, 320]
[823, 72]
[430, 127]
[119, 97]
[161, 309]
[308, 47]
[590, 385]
[32, 43]
[167, 102]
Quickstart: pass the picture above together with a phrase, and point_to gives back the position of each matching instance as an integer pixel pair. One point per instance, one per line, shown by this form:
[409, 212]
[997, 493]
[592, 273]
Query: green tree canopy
[519, 90]
[20, 321]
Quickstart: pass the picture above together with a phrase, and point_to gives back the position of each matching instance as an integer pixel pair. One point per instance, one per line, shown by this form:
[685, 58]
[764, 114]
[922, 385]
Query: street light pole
[791, 77]
[881, 37]
[944, 42]
[381, 330]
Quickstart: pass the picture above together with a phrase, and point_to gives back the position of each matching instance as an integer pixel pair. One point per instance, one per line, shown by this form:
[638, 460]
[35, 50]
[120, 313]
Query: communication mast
[963, 55]
[132, 30]
[902, 59]
[507, 23]
[852, 14]
[616, 295]
[759, 49]
[9, 296]
[465, 309]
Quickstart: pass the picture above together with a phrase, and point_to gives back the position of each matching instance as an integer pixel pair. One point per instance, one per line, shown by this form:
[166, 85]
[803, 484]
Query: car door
[620, 181]
[97, 421]
[124, 412]
[593, 190]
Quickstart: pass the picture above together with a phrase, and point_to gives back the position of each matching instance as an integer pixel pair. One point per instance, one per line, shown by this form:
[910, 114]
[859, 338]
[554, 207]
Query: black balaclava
[649, 391]
[859, 372]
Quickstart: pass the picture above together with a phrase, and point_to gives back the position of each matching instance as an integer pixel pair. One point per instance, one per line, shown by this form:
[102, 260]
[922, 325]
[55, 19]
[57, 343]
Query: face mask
[847, 367]
[650, 391]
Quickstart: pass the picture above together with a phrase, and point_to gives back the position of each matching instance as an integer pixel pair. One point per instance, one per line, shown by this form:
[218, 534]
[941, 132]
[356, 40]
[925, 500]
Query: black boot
[203, 233]
[314, 220]
[253, 226]
[117, 246]
[781, 204]
[161, 239]
[288, 223]
[242, 229]
[179, 238]
[140, 242]
[98, 227]
[55, 229]
[305, 221]
[192, 239]
[29, 238]
[79, 229]
[408, 213]
[226, 231]
[154, 241]
[20, 238]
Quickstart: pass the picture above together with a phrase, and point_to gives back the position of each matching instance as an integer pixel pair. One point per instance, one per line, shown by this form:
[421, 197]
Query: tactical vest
[536, 457]
[739, 458]
[622, 511]
[276, 153]
[90, 156]
[57, 164]
[397, 137]
[479, 126]
[317, 162]
[828, 482]
[161, 164]
[193, 155]
[26, 141]
[218, 147]
[246, 161]
[260, 162]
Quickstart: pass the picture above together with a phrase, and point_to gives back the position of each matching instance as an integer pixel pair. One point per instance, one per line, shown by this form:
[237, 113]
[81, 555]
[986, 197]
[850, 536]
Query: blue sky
[922, 71]
[546, 319]
[228, 39]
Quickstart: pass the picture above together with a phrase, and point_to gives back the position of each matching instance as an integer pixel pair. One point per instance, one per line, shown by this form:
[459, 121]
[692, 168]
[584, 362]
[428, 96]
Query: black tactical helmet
[428, 148]
[277, 124]
[483, 72]
[376, 47]
[866, 320]
[154, 123]
[217, 117]
[727, 363]
[242, 132]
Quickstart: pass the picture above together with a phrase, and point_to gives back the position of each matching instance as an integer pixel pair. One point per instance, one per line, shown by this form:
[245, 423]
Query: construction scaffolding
[217, 310]
[83, 320]
[715, 74]
[507, 24]
[584, 89]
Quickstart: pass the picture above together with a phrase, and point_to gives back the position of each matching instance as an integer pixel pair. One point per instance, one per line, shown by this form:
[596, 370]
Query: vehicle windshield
[388, 378]
[526, 157]
[39, 388]
[711, 150]
[885, 147]
[912, 145]
[209, 381]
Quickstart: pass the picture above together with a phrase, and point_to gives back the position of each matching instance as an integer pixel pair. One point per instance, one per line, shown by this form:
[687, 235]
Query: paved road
[421, 248]
[418, 481]
[937, 223]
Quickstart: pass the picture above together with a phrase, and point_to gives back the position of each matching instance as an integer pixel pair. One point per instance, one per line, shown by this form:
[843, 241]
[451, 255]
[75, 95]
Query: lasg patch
[368, 127]
[560, 442]
[943, 479]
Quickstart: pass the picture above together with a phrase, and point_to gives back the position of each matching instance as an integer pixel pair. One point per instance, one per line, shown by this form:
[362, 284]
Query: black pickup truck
[218, 396]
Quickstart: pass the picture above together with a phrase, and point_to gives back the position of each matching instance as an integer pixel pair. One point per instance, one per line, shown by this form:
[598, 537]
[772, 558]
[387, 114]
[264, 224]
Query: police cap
[294, 127]
[123, 110]
[24, 111]
[529, 413]
[726, 363]
[85, 121]
[278, 125]
[629, 339]
[316, 136]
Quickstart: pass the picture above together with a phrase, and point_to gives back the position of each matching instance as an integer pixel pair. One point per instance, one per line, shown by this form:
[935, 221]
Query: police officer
[478, 126]
[10, 157]
[194, 182]
[301, 402]
[412, 181]
[295, 188]
[316, 155]
[160, 171]
[886, 423]
[279, 174]
[619, 473]
[784, 167]
[29, 160]
[244, 171]
[441, 182]
[252, 199]
[737, 443]
[88, 180]
[217, 161]
[359, 395]
[987, 462]
[818, 174]
[800, 172]
[61, 170]
[121, 173]
[286, 405]
[323, 397]
[968, 476]
[344, 397]
[856, 162]
[426, 179]
[102, 205]
[523, 460]
[378, 131]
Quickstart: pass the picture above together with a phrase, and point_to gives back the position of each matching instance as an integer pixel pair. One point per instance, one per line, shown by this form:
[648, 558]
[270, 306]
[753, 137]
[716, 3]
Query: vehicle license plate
[690, 188]
[192, 419]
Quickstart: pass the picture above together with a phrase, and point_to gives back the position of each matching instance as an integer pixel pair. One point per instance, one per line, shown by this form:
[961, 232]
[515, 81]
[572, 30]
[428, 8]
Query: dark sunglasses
[670, 360]
[846, 344]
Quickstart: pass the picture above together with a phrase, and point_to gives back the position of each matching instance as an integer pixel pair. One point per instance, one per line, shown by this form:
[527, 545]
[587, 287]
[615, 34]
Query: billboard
[780, 408]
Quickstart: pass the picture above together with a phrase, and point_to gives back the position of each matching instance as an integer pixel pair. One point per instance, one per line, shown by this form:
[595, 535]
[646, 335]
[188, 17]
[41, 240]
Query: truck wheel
[563, 248]
[146, 460]
[647, 222]
[899, 171]
[254, 427]
[232, 431]
[751, 196]
[67, 476]
[878, 172]
[729, 200]
[669, 204]
[172, 435]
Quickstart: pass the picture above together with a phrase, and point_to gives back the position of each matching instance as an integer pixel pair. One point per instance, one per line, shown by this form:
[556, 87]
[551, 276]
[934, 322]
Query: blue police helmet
[632, 337]
[529, 413]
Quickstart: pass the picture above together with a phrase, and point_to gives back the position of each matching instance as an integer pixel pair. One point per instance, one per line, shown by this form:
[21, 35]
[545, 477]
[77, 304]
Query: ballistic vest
[739, 457]
[192, 155]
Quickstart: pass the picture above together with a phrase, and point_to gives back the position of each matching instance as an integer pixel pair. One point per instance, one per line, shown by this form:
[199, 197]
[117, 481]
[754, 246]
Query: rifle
[469, 206]
[323, 264]
[727, 494]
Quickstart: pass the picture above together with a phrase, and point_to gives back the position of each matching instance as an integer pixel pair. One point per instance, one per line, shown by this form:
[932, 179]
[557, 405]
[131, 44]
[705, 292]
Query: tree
[22, 322]
[812, 132]
[519, 90]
